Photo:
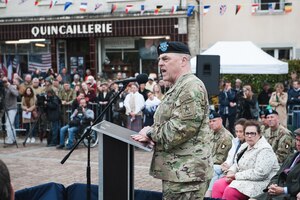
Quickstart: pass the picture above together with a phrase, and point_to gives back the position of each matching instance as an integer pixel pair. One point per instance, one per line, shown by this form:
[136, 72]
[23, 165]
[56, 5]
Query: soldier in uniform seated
[222, 143]
[278, 136]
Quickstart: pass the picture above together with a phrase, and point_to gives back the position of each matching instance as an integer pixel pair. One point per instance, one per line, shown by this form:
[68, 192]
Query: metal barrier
[290, 113]
[66, 114]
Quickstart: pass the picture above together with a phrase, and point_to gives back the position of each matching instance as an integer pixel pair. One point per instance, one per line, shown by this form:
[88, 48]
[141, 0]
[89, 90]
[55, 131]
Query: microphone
[141, 78]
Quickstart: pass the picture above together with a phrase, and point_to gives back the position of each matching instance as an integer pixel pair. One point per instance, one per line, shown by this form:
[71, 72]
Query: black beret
[173, 47]
[213, 114]
[297, 132]
[270, 111]
[262, 112]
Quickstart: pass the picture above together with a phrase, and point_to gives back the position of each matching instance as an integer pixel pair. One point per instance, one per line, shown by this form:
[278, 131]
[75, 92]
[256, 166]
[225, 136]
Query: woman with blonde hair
[248, 102]
[157, 92]
[278, 102]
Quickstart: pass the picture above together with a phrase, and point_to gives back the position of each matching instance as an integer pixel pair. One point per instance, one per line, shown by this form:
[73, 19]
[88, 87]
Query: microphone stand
[87, 135]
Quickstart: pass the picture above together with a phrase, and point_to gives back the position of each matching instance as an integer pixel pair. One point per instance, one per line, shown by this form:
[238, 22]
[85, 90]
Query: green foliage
[257, 80]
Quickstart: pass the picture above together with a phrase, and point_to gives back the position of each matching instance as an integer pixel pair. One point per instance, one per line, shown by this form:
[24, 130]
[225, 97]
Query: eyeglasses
[250, 134]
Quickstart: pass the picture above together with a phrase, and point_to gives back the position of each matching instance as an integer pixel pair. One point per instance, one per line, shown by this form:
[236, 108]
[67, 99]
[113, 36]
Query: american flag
[39, 61]
[16, 65]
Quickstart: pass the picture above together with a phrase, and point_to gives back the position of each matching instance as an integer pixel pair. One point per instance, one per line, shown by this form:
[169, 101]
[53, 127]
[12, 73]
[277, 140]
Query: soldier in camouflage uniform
[278, 136]
[180, 133]
[66, 95]
[222, 143]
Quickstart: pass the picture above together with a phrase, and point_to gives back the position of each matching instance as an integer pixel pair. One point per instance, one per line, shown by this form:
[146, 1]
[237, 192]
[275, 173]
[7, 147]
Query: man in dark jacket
[294, 95]
[228, 105]
[286, 183]
[53, 107]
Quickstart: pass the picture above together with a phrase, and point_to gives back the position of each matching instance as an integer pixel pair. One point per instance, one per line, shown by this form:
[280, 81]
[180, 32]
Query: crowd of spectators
[251, 136]
[49, 103]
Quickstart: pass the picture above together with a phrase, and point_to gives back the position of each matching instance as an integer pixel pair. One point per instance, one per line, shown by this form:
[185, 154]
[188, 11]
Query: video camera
[41, 98]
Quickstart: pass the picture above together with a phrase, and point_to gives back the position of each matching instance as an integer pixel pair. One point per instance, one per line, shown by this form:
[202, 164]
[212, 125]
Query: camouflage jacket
[281, 142]
[222, 143]
[67, 96]
[182, 151]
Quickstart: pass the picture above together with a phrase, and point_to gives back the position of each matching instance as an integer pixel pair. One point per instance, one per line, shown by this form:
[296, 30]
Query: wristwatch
[148, 134]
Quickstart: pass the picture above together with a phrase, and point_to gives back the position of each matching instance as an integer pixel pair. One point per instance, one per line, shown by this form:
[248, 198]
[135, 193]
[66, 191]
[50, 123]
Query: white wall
[265, 30]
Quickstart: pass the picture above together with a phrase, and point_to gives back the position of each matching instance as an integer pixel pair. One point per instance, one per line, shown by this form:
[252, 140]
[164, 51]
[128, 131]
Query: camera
[41, 98]
[79, 109]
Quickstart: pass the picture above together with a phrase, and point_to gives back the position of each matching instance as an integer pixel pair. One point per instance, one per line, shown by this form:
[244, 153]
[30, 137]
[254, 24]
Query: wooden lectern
[116, 161]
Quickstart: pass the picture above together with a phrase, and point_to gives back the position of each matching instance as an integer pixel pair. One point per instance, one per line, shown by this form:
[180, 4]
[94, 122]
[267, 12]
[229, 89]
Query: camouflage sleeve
[222, 151]
[285, 148]
[189, 109]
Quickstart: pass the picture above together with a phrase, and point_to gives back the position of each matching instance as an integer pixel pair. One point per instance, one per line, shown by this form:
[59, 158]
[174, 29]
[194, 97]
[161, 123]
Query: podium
[116, 161]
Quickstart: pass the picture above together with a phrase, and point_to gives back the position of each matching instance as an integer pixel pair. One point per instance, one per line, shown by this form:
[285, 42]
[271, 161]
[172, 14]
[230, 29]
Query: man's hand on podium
[142, 136]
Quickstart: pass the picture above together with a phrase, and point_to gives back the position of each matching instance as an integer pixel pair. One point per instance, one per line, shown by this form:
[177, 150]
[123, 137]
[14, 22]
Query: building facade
[273, 30]
[111, 37]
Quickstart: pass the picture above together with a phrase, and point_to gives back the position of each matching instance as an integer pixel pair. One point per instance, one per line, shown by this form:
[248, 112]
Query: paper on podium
[120, 133]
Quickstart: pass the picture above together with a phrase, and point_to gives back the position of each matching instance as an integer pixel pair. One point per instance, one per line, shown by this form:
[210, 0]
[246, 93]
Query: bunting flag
[237, 9]
[97, 5]
[271, 7]
[156, 11]
[190, 11]
[223, 9]
[52, 3]
[6, 1]
[254, 8]
[287, 7]
[206, 9]
[174, 9]
[37, 2]
[127, 9]
[83, 6]
[22, 1]
[113, 8]
[67, 4]
[142, 9]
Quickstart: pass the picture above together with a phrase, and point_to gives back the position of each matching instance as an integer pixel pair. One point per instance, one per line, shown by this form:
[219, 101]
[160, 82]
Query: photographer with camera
[10, 107]
[80, 118]
[52, 109]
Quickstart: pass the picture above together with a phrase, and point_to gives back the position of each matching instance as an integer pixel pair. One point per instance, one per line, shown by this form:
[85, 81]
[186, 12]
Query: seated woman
[255, 165]
[220, 170]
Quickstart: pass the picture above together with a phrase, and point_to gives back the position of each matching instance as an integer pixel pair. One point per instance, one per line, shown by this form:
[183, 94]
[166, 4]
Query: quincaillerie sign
[71, 29]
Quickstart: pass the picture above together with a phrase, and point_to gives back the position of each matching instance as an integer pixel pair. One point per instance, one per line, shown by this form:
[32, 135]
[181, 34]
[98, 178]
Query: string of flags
[204, 9]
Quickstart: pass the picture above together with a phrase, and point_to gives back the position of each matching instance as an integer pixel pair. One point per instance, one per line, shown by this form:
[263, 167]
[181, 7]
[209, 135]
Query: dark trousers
[231, 120]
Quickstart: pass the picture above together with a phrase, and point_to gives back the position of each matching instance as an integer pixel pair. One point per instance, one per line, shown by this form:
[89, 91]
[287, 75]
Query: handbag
[34, 114]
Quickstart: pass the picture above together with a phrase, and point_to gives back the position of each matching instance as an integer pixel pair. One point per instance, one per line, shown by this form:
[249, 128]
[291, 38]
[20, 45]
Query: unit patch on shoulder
[188, 110]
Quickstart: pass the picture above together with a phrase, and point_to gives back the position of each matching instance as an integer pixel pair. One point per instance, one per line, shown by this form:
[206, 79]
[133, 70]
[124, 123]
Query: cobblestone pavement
[37, 164]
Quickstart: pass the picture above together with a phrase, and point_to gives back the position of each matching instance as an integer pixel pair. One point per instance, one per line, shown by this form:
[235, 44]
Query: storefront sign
[71, 29]
[119, 43]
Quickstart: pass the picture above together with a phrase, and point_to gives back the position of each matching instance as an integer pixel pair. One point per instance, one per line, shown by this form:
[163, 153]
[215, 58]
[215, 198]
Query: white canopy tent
[243, 57]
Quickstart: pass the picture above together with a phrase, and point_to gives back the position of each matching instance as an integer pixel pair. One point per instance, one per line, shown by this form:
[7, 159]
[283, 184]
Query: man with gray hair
[10, 107]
